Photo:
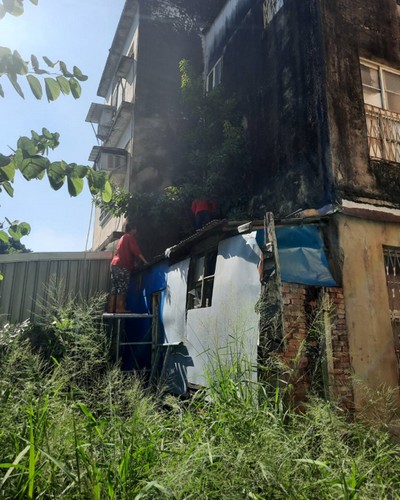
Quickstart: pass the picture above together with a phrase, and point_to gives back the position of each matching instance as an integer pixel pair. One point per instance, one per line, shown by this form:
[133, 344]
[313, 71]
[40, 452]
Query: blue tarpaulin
[302, 256]
[139, 300]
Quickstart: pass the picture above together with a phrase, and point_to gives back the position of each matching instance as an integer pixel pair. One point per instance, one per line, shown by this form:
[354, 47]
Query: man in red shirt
[122, 264]
[202, 209]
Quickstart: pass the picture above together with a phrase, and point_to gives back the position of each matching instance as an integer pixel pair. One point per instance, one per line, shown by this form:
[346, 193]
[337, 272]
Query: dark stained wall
[278, 75]
[169, 31]
[299, 85]
[352, 30]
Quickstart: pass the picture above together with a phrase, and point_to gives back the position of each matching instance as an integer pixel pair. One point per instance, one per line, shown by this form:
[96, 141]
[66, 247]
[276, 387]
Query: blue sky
[79, 32]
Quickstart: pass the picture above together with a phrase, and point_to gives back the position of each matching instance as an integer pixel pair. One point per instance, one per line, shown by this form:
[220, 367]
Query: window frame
[206, 277]
[213, 74]
[381, 68]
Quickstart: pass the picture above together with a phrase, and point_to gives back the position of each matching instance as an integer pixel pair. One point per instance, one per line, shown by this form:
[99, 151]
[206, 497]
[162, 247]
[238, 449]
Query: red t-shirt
[203, 204]
[127, 250]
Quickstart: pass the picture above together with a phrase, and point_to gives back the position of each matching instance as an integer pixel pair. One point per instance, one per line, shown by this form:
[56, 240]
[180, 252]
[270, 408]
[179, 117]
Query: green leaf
[64, 85]
[34, 168]
[75, 185]
[14, 7]
[35, 2]
[24, 228]
[52, 89]
[48, 62]
[34, 62]
[18, 65]
[35, 86]
[8, 188]
[79, 170]
[106, 194]
[64, 70]
[1, 91]
[4, 237]
[8, 171]
[56, 174]
[5, 51]
[79, 75]
[87, 412]
[75, 88]
[27, 146]
[4, 160]
[18, 230]
[14, 232]
[13, 79]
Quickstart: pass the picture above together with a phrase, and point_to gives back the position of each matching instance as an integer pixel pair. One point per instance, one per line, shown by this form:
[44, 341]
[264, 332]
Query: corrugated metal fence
[30, 280]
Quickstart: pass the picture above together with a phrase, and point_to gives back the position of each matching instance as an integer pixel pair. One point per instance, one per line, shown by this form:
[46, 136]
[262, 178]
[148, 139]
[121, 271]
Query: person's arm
[135, 250]
[142, 259]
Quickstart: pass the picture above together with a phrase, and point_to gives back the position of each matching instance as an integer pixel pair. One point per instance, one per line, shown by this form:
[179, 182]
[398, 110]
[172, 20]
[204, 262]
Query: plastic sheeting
[302, 256]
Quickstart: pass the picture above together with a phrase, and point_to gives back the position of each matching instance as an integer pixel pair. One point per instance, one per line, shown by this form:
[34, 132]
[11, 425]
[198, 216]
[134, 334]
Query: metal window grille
[383, 128]
[392, 270]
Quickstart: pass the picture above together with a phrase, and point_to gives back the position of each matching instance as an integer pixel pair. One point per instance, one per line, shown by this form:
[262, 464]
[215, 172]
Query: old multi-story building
[138, 124]
[318, 83]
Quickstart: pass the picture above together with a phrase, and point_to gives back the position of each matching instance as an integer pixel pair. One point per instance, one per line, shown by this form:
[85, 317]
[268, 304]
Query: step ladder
[116, 320]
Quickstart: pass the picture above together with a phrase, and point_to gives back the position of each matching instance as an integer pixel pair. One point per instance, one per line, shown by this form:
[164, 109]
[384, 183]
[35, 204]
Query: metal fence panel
[28, 279]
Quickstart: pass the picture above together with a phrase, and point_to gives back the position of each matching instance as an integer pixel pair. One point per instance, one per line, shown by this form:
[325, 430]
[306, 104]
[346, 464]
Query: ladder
[117, 319]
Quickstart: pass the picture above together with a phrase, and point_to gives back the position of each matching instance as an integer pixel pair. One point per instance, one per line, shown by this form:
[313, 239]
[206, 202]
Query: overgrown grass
[73, 426]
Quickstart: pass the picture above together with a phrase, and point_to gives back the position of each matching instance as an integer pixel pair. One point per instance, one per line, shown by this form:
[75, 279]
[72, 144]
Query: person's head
[130, 228]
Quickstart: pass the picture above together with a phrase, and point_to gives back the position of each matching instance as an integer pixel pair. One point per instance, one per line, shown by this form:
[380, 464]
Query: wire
[90, 224]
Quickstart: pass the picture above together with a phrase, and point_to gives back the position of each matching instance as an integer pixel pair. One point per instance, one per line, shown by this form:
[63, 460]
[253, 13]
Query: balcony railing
[383, 128]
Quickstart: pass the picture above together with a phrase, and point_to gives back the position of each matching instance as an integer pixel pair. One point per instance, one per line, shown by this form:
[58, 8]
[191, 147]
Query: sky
[80, 33]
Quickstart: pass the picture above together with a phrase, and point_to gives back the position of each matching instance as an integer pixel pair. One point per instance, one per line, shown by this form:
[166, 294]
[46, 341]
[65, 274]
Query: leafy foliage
[215, 164]
[12, 246]
[216, 156]
[13, 66]
[30, 158]
[74, 426]
[10, 235]
[13, 7]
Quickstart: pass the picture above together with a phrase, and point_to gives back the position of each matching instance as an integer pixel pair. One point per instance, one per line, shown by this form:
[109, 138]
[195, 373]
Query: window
[392, 271]
[201, 280]
[214, 76]
[104, 217]
[381, 86]
[270, 8]
[381, 90]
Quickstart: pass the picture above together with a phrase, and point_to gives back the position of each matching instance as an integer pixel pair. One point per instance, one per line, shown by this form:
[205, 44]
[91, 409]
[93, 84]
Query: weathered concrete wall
[352, 30]
[283, 103]
[302, 99]
[169, 32]
[372, 351]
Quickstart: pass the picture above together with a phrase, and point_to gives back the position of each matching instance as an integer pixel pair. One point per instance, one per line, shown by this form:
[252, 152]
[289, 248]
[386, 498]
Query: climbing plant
[216, 156]
[215, 162]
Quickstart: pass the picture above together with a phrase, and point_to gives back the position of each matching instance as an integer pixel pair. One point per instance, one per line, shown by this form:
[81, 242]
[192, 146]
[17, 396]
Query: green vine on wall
[215, 162]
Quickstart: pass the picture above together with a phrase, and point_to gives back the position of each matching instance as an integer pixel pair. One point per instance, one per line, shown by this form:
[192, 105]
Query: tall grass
[74, 426]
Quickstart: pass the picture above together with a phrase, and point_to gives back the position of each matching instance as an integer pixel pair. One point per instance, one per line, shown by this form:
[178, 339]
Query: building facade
[318, 85]
[139, 124]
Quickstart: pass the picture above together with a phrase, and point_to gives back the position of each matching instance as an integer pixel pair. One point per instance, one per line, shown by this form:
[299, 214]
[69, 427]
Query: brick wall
[306, 328]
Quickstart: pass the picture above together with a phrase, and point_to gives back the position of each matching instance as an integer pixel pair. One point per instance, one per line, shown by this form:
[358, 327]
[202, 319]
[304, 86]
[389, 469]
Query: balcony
[383, 129]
